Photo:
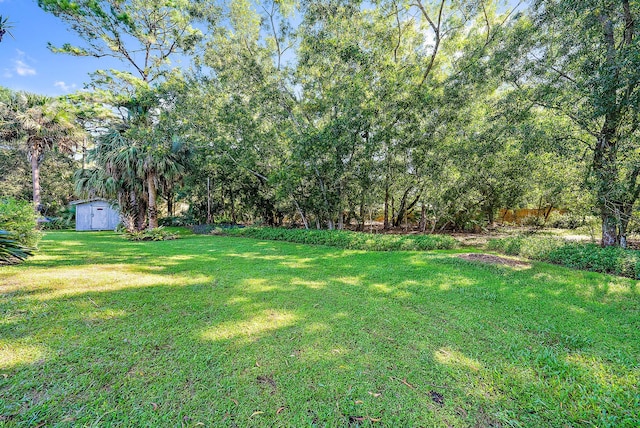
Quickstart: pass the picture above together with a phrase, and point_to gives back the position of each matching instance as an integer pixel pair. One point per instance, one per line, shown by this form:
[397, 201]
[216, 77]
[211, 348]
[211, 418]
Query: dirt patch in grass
[267, 382]
[494, 260]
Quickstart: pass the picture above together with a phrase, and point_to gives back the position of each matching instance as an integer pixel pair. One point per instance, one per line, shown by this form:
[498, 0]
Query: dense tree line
[330, 113]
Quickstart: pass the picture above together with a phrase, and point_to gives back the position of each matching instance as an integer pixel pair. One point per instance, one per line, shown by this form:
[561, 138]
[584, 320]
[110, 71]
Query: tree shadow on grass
[287, 335]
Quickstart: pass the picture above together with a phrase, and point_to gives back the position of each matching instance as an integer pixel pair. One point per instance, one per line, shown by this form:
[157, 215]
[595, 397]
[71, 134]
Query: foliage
[11, 251]
[155, 234]
[348, 240]
[204, 229]
[584, 256]
[534, 247]
[19, 219]
[172, 221]
[144, 34]
[164, 331]
[613, 260]
[59, 223]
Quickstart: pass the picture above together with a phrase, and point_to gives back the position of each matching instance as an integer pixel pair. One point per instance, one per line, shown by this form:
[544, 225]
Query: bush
[173, 221]
[613, 260]
[532, 247]
[203, 229]
[348, 240]
[58, 223]
[156, 234]
[591, 257]
[20, 220]
[11, 251]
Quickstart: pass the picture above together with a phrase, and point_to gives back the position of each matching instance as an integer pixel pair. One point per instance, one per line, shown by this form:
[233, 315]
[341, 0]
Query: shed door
[99, 218]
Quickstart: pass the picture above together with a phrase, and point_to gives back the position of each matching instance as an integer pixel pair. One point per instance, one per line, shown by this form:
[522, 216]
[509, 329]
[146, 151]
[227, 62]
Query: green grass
[222, 331]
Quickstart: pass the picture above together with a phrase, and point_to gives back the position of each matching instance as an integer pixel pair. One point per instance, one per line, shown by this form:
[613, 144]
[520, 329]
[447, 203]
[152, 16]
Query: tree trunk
[302, 216]
[606, 171]
[423, 218]
[153, 193]
[233, 207]
[170, 207]
[490, 215]
[35, 174]
[386, 207]
[138, 208]
[362, 215]
[609, 231]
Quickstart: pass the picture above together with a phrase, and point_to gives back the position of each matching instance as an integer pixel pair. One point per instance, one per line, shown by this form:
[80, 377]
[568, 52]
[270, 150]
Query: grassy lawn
[221, 331]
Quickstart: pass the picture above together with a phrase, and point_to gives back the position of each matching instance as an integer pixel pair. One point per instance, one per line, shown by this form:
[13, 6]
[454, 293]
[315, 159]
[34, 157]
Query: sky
[27, 64]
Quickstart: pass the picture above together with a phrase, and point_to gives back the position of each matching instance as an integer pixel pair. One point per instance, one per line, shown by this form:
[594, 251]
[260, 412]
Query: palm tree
[5, 25]
[115, 176]
[162, 166]
[42, 124]
[132, 168]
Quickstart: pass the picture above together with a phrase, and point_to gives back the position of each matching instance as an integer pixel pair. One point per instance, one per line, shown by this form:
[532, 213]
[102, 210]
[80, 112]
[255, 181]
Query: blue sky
[27, 64]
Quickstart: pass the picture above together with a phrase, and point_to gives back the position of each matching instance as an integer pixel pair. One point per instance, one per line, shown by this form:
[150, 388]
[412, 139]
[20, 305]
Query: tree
[130, 164]
[581, 59]
[40, 123]
[144, 34]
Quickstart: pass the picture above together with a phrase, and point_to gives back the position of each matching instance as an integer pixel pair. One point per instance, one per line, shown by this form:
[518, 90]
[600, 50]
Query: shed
[96, 214]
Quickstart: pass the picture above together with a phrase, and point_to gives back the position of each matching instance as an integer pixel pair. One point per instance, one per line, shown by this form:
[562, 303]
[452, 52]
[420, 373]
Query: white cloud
[21, 65]
[62, 85]
[23, 69]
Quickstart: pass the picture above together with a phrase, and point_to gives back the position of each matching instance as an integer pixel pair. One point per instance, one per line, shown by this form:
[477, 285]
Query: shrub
[175, 221]
[19, 219]
[58, 223]
[348, 240]
[612, 260]
[11, 251]
[532, 247]
[156, 234]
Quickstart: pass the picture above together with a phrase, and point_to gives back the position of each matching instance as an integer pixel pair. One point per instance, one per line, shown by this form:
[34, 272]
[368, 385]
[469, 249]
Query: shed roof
[84, 201]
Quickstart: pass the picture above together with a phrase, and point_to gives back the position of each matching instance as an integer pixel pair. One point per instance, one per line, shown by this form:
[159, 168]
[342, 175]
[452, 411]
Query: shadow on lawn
[331, 336]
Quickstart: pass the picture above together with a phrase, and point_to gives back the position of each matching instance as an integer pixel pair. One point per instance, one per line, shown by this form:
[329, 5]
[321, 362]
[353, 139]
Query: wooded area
[329, 113]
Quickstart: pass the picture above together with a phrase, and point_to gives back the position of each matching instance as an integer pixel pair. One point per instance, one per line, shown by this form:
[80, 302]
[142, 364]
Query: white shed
[96, 214]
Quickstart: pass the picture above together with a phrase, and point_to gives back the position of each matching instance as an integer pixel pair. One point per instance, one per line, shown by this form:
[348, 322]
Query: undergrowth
[156, 234]
[348, 240]
[584, 256]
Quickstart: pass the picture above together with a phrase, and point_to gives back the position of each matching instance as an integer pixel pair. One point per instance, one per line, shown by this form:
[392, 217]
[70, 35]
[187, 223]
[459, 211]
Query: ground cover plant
[346, 239]
[577, 255]
[221, 331]
[11, 251]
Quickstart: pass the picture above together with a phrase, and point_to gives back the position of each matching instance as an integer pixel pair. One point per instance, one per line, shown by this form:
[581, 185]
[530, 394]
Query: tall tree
[40, 123]
[581, 59]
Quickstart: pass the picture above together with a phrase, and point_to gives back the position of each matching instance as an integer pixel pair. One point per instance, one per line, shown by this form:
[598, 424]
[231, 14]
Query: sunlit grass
[219, 331]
